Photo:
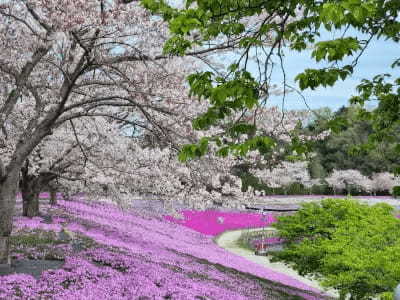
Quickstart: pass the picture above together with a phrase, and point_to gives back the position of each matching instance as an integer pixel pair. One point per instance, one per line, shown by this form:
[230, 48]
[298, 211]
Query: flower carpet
[213, 222]
[115, 254]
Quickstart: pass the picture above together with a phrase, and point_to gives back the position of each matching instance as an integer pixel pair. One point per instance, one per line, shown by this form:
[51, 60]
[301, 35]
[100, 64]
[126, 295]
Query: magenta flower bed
[209, 221]
[157, 256]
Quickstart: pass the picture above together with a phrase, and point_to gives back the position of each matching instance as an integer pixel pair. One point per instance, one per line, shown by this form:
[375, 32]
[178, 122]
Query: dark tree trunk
[8, 190]
[5, 250]
[9, 181]
[30, 204]
[53, 196]
[30, 189]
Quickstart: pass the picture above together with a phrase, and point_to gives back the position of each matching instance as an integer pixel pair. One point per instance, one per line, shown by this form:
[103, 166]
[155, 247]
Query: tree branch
[79, 143]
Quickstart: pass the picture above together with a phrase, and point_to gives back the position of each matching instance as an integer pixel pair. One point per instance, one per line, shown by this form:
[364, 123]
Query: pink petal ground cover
[209, 221]
[142, 258]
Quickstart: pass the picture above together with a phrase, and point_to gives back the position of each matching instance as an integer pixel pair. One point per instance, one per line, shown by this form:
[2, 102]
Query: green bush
[349, 246]
[321, 189]
[249, 180]
[34, 238]
[296, 189]
[396, 191]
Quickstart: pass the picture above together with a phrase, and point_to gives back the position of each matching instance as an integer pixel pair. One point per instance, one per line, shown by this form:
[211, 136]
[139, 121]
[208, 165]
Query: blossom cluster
[342, 179]
[287, 173]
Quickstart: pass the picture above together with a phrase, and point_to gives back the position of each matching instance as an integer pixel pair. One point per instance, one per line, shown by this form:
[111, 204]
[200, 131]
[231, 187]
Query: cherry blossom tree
[284, 174]
[151, 166]
[211, 178]
[100, 60]
[155, 170]
[73, 153]
[341, 180]
[384, 182]
[61, 61]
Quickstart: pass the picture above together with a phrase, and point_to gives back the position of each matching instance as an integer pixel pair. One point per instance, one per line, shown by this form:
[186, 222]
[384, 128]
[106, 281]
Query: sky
[375, 60]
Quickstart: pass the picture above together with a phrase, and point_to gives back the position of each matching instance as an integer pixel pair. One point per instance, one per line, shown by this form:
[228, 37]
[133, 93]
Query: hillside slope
[112, 254]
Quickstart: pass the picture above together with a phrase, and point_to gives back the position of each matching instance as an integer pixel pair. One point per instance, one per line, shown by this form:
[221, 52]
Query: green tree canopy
[352, 247]
[345, 148]
[274, 25]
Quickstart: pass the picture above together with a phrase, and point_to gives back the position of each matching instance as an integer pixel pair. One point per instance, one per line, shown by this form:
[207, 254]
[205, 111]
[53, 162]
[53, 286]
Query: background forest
[342, 162]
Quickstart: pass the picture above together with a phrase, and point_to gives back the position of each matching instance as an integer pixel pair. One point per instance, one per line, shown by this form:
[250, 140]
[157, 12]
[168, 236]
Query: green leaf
[223, 152]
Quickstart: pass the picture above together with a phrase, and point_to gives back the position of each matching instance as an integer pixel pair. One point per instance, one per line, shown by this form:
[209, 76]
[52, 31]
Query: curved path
[229, 241]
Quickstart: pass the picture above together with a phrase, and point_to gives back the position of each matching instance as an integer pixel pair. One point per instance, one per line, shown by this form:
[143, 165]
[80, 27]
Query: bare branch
[37, 18]
[79, 143]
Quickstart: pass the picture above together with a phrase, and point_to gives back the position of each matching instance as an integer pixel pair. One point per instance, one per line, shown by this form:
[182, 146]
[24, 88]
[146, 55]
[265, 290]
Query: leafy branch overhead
[260, 31]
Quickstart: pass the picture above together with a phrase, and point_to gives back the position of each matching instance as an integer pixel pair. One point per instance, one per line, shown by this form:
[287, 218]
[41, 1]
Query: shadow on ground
[30, 266]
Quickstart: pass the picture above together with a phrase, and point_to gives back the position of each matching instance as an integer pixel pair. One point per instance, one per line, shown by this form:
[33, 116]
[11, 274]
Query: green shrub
[321, 189]
[386, 296]
[349, 246]
[249, 180]
[396, 191]
[34, 238]
[296, 189]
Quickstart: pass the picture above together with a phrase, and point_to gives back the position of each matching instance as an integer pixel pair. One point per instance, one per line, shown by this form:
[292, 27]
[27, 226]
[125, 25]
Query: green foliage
[387, 296]
[348, 147]
[352, 247]
[41, 244]
[321, 189]
[316, 169]
[385, 119]
[239, 91]
[336, 49]
[295, 188]
[194, 150]
[249, 180]
[312, 78]
[176, 46]
[34, 238]
[396, 191]
[260, 143]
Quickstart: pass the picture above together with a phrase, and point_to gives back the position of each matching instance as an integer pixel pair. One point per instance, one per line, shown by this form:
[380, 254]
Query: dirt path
[229, 241]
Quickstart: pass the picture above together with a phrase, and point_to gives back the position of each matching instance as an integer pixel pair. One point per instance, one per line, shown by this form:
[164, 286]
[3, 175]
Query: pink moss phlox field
[140, 257]
[17, 286]
[209, 221]
[37, 223]
[139, 235]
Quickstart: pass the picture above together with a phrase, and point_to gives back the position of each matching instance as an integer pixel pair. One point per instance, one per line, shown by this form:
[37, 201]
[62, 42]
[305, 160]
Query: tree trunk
[8, 191]
[53, 196]
[30, 204]
[5, 250]
[30, 190]
[9, 181]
